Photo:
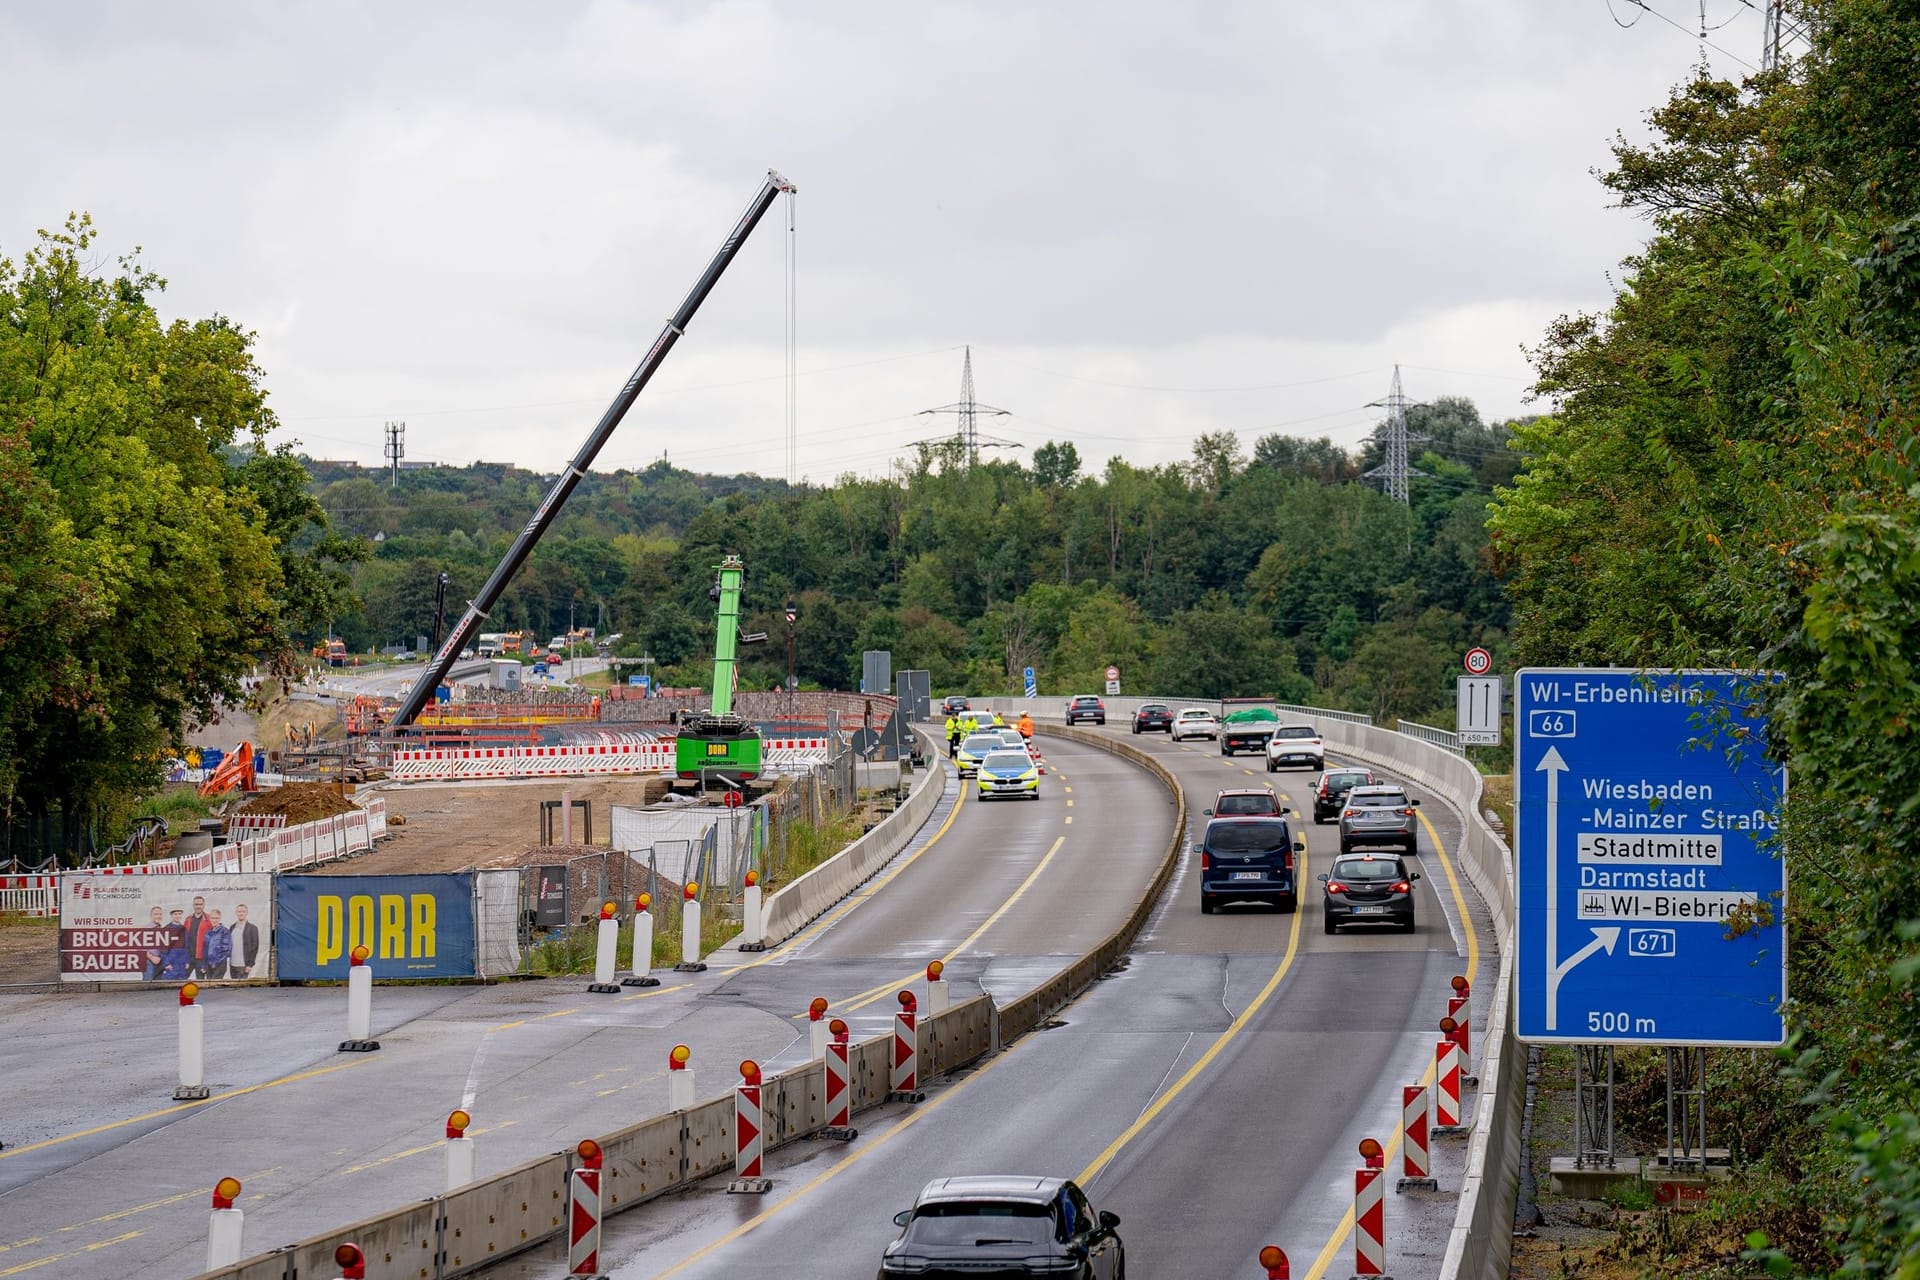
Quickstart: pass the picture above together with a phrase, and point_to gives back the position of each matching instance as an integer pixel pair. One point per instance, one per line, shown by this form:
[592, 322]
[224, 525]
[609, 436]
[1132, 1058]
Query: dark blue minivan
[1248, 860]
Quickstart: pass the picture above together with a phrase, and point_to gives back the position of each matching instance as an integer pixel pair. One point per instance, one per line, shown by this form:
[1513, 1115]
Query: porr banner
[209, 927]
[413, 926]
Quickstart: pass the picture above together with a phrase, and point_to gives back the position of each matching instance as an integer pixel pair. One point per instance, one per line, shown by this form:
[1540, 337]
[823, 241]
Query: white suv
[1295, 744]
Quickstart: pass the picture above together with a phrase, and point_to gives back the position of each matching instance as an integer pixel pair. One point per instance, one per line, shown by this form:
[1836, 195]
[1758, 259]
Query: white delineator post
[642, 945]
[459, 1151]
[605, 947]
[583, 1212]
[193, 1046]
[679, 1078]
[817, 1030]
[1415, 1165]
[359, 1004]
[225, 1226]
[752, 923]
[938, 994]
[1369, 1213]
[690, 932]
[749, 1136]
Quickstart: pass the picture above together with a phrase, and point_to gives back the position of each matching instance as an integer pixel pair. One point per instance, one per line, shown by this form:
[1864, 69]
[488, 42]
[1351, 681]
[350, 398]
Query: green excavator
[715, 747]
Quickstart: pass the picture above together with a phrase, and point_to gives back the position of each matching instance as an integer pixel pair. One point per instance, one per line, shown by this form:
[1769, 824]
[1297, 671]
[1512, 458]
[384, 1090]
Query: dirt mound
[300, 801]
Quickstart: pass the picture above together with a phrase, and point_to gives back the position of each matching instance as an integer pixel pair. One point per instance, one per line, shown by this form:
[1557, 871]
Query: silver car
[1379, 814]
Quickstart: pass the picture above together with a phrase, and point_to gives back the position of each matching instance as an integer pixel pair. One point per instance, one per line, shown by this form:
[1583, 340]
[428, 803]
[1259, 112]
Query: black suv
[1248, 860]
[955, 704]
[1154, 717]
[1086, 707]
[1005, 1227]
[1330, 793]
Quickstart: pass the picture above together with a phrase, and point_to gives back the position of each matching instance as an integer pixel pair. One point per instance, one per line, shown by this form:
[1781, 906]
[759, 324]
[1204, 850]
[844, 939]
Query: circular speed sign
[1478, 662]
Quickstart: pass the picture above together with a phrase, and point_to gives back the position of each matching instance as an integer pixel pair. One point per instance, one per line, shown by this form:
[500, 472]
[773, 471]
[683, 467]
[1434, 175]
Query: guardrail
[1445, 739]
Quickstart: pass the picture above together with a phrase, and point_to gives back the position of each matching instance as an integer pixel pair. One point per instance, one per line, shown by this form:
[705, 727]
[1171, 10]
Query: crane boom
[549, 508]
[726, 642]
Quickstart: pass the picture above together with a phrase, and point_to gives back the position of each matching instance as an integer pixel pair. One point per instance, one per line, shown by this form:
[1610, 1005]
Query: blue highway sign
[1033, 686]
[1651, 898]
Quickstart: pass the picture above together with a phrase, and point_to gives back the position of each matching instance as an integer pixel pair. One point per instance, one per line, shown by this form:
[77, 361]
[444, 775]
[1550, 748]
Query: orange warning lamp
[817, 1009]
[677, 1059]
[642, 902]
[907, 1002]
[225, 1192]
[693, 891]
[608, 911]
[352, 1262]
[1371, 1152]
[749, 1071]
[934, 969]
[1448, 1027]
[457, 1124]
[189, 993]
[838, 1029]
[360, 955]
[753, 878]
[1461, 986]
[1274, 1259]
[589, 1152]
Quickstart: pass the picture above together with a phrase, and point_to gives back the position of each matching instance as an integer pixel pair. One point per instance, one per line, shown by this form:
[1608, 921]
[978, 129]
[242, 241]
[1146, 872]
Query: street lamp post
[793, 617]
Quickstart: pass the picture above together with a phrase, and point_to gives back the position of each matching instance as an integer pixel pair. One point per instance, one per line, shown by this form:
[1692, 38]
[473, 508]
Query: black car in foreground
[993, 1227]
[1369, 888]
[1154, 717]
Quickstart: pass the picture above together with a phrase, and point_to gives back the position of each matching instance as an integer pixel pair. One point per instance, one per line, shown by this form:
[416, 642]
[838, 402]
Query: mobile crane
[716, 744]
[489, 595]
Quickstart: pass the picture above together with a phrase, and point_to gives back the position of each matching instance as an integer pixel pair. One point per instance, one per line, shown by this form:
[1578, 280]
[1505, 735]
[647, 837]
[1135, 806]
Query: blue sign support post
[1651, 898]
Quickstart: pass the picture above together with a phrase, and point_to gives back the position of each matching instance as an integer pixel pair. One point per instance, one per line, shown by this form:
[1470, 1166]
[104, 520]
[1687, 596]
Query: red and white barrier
[749, 1135]
[37, 896]
[583, 760]
[256, 822]
[604, 949]
[690, 961]
[679, 1078]
[642, 945]
[583, 1212]
[906, 1053]
[459, 1151]
[1458, 1009]
[359, 1004]
[938, 994]
[839, 1095]
[1446, 1087]
[1416, 1163]
[1369, 1213]
[226, 1226]
[1274, 1259]
[193, 1047]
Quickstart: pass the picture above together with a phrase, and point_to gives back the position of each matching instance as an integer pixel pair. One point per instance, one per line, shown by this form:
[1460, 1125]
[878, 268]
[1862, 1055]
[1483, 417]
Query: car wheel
[1327, 923]
[1136, 731]
[1319, 821]
[1346, 846]
[1272, 767]
[1290, 904]
[1413, 847]
[1408, 926]
[1208, 905]
[1102, 722]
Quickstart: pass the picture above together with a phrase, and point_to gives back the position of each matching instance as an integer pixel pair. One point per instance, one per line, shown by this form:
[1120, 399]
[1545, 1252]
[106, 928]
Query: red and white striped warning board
[1369, 1223]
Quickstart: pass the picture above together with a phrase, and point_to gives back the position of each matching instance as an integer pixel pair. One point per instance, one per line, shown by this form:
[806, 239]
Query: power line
[967, 409]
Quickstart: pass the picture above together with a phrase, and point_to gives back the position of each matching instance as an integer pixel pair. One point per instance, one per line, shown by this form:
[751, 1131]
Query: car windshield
[1017, 761]
[1377, 799]
[1196, 715]
[1247, 837]
[1365, 869]
[981, 743]
[982, 1222]
[1346, 781]
[1296, 731]
[1154, 707]
[1228, 806]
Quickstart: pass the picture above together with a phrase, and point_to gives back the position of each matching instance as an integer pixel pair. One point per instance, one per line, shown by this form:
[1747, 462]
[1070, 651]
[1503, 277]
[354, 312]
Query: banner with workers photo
[413, 926]
[207, 927]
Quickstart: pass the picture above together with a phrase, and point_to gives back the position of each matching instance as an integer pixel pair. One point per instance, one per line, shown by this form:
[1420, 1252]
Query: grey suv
[1380, 814]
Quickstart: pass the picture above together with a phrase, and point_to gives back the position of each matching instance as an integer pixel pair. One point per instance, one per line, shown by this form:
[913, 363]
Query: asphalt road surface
[103, 1175]
[1212, 1094]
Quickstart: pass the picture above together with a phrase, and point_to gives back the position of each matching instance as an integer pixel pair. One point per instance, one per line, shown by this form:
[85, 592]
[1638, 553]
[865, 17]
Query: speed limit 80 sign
[1478, 662]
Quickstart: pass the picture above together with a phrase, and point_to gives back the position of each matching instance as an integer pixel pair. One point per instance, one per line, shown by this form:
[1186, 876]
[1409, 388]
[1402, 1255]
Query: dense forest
[1280, 572]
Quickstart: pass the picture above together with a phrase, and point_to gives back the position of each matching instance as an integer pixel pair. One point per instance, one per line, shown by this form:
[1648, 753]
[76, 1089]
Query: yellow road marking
[1192, 1073]
[1338, 1240]
[657, 991]
[431, 1146]
[185, 1106]
[61, 1257]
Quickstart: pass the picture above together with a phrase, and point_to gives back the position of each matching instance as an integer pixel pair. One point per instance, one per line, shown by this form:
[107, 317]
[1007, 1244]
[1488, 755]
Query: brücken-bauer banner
[210, 927]
[411, 926]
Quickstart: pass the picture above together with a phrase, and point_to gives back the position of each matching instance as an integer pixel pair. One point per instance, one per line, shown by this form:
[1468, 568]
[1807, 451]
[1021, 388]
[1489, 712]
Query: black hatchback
[1154, 717]
[1000, 1228]
[1248, 860]
[1369, 888]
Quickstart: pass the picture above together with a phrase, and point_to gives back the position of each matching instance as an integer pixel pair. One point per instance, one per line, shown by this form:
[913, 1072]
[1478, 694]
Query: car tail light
[1334, 886]
[1406, 813]
[1402, 886]
[1286, 860]
[1206, 860]
[1350, 813]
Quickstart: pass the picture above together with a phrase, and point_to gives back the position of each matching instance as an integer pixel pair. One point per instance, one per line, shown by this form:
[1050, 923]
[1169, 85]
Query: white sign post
[1113, 681]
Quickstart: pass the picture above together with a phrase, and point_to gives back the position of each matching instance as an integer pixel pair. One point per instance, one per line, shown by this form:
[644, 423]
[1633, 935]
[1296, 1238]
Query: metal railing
[1444, 739]
[1324, 713]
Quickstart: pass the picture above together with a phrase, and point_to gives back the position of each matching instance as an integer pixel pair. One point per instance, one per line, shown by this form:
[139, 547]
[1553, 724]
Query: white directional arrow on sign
[1553, 764]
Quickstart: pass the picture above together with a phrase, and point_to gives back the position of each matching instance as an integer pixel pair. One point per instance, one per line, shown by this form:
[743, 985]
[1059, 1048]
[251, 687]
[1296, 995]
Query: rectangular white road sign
[1477, 706]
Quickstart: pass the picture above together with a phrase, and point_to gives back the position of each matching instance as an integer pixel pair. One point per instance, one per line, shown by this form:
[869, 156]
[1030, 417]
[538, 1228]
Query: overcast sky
[1148, 219]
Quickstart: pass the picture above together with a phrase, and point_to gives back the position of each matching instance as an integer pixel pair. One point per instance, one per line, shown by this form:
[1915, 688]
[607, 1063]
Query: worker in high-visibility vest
[999, 721]
[1026, 724]
[953, 734]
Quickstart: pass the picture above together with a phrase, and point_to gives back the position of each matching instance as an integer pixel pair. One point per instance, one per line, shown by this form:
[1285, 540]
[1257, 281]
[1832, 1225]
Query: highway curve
[104, 1175]
[1212, 1092]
